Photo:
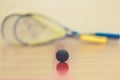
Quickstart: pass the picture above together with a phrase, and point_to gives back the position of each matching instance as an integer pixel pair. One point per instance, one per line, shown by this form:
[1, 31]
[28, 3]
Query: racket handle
[108, 35]
[93, 39]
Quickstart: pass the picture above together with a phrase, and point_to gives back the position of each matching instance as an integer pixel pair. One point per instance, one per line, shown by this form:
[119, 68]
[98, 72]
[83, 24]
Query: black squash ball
[62, 55]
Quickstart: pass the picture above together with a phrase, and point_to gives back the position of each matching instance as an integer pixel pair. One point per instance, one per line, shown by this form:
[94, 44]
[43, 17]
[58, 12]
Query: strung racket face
[7, 28]
[35, 30]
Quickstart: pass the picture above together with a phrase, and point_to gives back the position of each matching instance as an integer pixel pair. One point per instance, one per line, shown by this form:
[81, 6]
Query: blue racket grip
[108, 35]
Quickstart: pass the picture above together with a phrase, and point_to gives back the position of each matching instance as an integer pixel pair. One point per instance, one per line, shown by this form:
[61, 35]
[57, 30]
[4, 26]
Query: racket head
[32, 29]
[7, 28]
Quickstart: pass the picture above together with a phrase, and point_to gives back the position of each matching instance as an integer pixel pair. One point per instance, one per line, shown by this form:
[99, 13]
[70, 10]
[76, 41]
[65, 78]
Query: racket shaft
[108, 35]
[93, 39]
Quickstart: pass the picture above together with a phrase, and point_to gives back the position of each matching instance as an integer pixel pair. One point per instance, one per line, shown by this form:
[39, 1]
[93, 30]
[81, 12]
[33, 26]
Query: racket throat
[72, 34]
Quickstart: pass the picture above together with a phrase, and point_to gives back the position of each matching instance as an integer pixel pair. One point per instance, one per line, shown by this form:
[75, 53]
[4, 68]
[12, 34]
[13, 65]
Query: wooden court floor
[86, 62]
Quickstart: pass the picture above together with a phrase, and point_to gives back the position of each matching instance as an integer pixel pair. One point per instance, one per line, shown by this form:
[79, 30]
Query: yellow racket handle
[93, 39]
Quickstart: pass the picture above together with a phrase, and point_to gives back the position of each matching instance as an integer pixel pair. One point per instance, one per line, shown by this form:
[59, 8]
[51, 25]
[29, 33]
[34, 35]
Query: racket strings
[33, 32]
[34, 27]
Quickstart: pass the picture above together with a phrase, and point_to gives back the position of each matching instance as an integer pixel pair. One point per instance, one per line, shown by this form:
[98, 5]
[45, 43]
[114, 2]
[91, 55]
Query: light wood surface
[86, 61]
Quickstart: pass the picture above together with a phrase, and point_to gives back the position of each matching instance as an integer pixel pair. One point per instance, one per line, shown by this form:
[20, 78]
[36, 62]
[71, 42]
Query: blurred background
[85, 15]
